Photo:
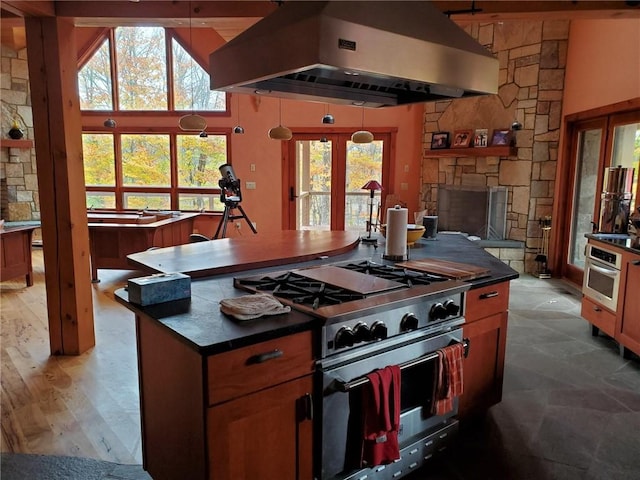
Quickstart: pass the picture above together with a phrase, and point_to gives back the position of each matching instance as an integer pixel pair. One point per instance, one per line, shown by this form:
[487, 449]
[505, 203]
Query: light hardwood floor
[86, 405]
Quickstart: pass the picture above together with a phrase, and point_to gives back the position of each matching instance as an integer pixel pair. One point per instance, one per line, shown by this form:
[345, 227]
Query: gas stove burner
[398, 274]
[301, 290]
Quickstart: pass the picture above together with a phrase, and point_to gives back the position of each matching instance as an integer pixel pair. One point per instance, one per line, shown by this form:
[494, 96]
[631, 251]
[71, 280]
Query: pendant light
[192, 121]
[280, 132]
[362, 136]
[239, 129]
[328, 118]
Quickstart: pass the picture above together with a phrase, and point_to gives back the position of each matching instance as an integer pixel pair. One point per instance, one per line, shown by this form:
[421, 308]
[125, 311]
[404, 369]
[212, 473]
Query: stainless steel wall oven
[602, 276]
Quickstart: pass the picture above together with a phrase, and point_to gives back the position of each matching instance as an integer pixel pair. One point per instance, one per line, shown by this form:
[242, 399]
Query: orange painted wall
[263, 205]
[603, 64]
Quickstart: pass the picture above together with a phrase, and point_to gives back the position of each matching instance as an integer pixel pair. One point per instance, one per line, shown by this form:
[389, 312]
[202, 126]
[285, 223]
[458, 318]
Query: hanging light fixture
[280, 132]
[362, 136]
[328, 118]
[192, 121]
[110, 123]
[239, 129]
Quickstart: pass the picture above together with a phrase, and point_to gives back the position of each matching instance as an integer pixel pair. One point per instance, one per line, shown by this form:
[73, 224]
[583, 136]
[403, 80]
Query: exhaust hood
[369, 53]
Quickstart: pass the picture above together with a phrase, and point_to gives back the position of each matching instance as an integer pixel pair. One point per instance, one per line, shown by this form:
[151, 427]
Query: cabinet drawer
[599, 316]
[485, 301]
[249, 369]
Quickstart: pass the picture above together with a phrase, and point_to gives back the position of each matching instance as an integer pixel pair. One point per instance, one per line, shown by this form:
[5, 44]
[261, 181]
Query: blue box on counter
[159, 288]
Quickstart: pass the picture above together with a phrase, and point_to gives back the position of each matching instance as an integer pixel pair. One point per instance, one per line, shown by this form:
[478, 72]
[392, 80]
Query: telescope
[231, 196]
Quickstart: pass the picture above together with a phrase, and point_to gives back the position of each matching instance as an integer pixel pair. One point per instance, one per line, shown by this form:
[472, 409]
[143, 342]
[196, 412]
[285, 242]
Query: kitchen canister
[396, 246]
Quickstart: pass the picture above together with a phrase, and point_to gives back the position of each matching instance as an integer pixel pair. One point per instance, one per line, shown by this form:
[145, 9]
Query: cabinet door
[484, 367]
[630, 326]
[267, 434]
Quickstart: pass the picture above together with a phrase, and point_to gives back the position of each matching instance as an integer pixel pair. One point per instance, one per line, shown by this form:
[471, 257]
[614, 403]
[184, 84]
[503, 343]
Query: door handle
[292, 194]
[636, 263]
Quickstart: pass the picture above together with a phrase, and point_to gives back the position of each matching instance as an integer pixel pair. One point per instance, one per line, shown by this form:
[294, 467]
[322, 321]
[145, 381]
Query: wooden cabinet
[628, 320]
[598, 316]
[486, 328]
[241, 414]
[15, 252]
[267, 434]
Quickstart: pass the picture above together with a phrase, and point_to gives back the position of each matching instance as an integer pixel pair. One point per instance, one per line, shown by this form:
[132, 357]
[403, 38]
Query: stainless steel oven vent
[374, 54]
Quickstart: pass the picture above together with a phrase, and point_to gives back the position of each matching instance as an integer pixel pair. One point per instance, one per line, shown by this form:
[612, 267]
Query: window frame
[161, 122]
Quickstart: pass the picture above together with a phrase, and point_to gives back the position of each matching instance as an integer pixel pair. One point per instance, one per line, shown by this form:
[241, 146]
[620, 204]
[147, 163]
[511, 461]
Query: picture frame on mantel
[439, 140]
[501, 138]
[481, 137]
[462, 138]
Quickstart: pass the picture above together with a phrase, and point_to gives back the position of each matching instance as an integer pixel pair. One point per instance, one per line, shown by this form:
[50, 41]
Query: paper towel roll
[396, 246]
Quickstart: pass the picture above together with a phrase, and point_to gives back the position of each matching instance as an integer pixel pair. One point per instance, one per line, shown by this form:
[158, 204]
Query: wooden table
[15, 244]
[114, 236]
[228, 255]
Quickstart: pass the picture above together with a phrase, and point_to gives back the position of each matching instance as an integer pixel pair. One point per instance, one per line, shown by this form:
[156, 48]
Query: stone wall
[18, 178]
[532, 58]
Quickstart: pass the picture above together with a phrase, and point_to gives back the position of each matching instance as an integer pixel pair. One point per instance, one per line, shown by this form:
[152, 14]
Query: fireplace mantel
[498, 151]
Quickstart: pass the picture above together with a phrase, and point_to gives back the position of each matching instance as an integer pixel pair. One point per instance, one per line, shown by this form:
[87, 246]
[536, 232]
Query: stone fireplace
[532, 59]
[477, 211]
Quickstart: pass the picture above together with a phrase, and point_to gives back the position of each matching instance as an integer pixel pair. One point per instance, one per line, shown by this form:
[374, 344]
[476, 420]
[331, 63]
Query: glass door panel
[585, 191]
[363, 163]
[313, 184]
[626, 152]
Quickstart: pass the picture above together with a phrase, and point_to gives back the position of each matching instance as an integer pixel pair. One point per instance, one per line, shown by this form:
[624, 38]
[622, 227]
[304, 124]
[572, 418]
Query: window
[147, 72]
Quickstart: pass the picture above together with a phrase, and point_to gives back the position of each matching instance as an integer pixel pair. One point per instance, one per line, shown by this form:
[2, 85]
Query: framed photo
[439, 140]
[501, 137]
[462, 138]
[481, 137]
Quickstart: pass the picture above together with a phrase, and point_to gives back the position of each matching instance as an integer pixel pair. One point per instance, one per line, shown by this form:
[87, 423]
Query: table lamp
[372, 186]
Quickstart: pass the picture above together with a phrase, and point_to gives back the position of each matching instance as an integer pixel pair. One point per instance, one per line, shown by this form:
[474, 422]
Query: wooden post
[58, 142]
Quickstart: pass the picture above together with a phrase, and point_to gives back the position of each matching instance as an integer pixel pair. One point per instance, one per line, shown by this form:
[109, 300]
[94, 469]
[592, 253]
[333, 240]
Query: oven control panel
[386, 322]
[605, 256]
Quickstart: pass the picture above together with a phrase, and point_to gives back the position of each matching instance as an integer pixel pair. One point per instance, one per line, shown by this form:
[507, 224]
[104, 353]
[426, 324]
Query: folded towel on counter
[249, 307]
[381, 417]
[448, 378]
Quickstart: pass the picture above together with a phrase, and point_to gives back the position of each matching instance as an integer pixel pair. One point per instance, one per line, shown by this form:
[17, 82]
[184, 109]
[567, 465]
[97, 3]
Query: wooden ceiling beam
[26, 8]
[519, 10]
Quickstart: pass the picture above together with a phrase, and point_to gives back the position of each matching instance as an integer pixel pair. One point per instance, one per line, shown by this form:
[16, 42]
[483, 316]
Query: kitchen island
[114, 235]
[242, 392]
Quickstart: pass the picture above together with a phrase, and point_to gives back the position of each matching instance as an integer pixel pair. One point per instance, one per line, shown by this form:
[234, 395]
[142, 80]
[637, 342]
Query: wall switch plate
[252, 167]
[404, 186]
[250, 185]
[406, 169]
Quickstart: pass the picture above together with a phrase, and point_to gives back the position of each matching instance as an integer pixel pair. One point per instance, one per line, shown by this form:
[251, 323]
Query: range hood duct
[371, 53]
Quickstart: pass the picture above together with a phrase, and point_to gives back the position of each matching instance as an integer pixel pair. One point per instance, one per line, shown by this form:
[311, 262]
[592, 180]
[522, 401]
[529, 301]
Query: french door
[595, 144]
[325, 174]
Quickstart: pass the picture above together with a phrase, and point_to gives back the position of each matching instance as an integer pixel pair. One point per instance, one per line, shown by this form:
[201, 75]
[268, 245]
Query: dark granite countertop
[618, 240]
[199, 323]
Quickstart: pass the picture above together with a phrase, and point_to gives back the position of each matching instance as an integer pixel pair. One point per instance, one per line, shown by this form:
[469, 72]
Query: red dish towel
[381, 417]
[448, 381]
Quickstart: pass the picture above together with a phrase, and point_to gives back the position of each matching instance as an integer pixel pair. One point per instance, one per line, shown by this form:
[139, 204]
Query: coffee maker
[616, 200]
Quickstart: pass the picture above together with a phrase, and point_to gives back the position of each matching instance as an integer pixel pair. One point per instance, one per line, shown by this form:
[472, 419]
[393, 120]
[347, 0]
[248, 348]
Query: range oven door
[601, 283]
[341, 413]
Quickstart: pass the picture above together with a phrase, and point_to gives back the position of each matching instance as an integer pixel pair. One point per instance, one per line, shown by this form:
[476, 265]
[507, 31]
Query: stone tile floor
[570, 408]
[571, 403]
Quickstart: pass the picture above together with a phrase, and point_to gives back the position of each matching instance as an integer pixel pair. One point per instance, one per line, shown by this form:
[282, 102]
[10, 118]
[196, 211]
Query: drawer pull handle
[597, 309]
[484, 296]
[263, 357]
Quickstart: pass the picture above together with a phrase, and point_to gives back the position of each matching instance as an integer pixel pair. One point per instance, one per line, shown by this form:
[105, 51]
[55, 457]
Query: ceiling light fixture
[192, 121]
[328, 118]
[280, 132]
[362, 136]
[239, 129]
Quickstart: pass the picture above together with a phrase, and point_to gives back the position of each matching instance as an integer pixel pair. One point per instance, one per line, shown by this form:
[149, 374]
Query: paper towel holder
[395, 257]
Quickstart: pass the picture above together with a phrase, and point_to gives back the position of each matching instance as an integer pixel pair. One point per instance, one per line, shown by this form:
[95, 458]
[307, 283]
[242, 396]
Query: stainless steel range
[374, 315]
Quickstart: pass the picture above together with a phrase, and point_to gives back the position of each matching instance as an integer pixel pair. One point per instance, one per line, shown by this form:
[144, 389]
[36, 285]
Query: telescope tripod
[228, 214]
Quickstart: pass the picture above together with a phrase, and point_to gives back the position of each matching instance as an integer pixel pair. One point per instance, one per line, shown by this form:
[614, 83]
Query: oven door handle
[343, 386]
[603, 270]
